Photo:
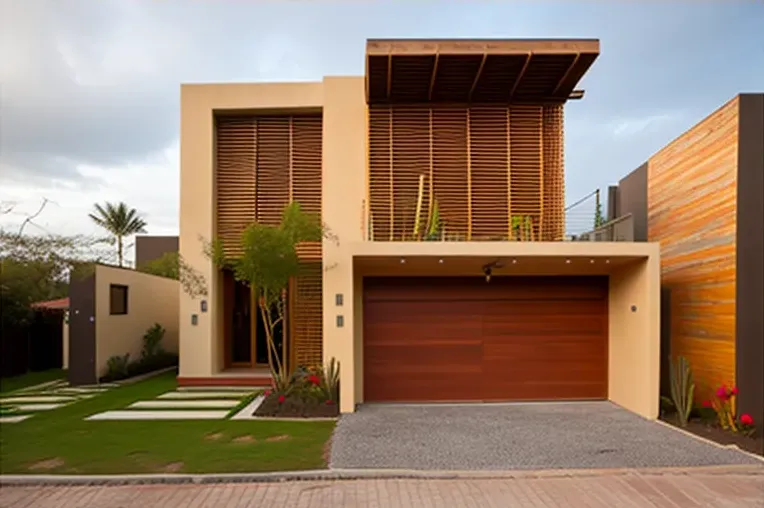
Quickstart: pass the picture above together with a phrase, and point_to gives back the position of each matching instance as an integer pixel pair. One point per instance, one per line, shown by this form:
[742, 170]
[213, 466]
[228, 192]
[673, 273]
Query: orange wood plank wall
[692, 197]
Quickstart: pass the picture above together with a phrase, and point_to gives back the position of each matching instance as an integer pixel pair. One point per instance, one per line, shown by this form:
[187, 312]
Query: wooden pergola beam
[477, 77]
[520, 76]
[567, 73]
[432, 76]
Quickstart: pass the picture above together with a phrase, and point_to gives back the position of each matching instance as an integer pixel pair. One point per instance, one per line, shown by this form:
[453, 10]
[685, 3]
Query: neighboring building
[478, 126]
[702, 198]
[150, 248]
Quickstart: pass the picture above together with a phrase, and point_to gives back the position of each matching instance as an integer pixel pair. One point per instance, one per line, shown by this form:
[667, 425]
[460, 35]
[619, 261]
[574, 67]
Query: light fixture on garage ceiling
[567, 261]
[488, 269]
[592, 261]
[440, 261]
[607, 261]
[403, 260]
[514, 261]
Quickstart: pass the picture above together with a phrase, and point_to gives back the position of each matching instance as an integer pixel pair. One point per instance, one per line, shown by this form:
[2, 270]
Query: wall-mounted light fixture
[403, 260]
[203, 306]
[488, 272]
[338, 299]
[514, 261]
[592, 261]
[567, 261]
[634, 308]
[194, 319]
[440, 261]
[340, 321]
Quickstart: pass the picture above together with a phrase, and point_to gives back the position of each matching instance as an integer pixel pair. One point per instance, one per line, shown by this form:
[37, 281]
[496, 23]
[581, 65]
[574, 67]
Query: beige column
[344, 188]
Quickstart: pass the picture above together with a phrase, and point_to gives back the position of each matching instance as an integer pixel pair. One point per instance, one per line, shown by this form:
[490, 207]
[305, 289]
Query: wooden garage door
[452, 339]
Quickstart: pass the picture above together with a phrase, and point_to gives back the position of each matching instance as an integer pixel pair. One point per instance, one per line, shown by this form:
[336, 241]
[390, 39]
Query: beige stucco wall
[151, 299]
[634, 348]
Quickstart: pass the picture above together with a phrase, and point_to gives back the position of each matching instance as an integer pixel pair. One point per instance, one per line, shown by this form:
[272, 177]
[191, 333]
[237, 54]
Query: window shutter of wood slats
[484, 164]
[263, 163]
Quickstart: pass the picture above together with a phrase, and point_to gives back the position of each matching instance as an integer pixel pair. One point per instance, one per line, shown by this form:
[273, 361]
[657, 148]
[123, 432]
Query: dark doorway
[241, 350]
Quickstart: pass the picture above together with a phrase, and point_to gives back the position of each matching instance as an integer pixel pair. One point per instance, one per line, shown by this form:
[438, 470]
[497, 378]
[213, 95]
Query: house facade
[447, 276]
[701, 197]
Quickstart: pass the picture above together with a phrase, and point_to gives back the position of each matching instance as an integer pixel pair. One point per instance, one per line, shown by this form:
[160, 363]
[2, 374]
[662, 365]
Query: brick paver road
[702, 489]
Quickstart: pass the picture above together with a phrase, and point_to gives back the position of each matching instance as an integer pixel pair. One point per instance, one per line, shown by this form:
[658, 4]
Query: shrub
[152, 341]
[117, 366]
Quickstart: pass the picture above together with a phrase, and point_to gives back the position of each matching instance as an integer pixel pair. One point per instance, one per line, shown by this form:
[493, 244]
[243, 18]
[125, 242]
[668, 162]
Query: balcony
[521, 229]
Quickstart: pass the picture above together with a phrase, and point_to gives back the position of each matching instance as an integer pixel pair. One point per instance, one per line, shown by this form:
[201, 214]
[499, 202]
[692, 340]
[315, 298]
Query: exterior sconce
[340, 321]
[634, 308]
[338, 299]
[203, 306]
[194, 319]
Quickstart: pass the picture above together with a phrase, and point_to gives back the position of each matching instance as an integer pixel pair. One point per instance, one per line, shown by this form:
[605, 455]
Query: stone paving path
[210, 404]
[609, 489]
[23, 404]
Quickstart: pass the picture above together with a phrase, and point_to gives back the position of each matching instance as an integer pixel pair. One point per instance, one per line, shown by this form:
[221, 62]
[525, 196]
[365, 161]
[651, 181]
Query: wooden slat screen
[307, 316]
[263, 163]
[484, 164]
[554, 175]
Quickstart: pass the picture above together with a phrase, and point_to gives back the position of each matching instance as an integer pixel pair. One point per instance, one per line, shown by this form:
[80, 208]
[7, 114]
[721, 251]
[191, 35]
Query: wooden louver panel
[525, 123]
[306, 173]
[307, 316]
[483, 164]
[488, 170]
[273, 168]
[235, 173]
[263, 163]
[554, 177]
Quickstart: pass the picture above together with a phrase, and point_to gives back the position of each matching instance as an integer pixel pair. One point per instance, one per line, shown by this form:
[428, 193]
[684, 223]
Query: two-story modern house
[487, 303]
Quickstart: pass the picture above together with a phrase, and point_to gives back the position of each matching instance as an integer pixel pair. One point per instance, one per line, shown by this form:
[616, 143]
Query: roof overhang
[477, 71]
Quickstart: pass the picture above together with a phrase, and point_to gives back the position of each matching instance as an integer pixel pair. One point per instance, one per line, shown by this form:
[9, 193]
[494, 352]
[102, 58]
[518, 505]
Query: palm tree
[119, 220]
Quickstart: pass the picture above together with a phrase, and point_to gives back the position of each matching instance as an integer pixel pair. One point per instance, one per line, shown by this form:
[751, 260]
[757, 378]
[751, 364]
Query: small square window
[117, 299]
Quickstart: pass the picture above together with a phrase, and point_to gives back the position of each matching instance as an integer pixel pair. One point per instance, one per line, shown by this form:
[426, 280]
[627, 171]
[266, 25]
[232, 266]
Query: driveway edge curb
[358, 474]
[711, 441]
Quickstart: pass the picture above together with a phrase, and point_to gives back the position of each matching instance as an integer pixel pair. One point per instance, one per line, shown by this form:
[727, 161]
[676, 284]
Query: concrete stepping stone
[14, 419]
[202, 395]
[37, 398]
[159, 415]
[183, 404]
[37, 407]
[247, 413]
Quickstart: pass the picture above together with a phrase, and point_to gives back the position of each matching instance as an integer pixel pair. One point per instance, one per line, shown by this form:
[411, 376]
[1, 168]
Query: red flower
[734, 390]
[329, 402]
[706, 403]
[746, 419]
[722, 392]
[281, 399]
[314, 379]
[267, 393]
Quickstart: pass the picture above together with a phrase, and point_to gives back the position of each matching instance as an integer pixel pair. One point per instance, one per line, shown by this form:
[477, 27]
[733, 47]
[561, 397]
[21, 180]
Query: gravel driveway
[515, 436]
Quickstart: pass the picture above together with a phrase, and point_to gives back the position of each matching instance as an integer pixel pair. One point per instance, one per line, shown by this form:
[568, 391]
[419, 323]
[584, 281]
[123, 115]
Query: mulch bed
[294, 407]
[753, 444]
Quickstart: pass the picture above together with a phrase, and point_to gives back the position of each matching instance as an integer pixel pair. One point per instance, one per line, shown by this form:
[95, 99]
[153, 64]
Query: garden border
[711, 441]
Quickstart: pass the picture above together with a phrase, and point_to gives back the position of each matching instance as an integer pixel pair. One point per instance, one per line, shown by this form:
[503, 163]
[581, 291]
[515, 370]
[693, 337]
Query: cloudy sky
[89, 90]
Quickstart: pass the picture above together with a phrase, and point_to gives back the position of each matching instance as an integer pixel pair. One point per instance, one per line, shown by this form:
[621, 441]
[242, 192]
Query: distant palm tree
[119, 220]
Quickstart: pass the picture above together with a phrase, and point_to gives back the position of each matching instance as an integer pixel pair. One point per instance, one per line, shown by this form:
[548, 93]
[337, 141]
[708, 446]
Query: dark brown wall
[149, 248]
[749, 322]
[82, 345]
[631, 197]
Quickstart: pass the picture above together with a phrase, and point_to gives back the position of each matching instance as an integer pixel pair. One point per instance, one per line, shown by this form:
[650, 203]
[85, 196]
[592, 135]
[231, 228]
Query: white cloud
[637, 125]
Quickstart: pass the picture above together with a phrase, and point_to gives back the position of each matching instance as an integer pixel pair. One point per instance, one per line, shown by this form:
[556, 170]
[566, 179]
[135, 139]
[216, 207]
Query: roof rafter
[477, 77]
[432, 76]
[520, 75]
[567, 73]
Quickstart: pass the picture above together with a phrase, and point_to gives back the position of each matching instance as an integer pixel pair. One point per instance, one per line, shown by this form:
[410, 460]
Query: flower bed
[306, 393]
[717, 420]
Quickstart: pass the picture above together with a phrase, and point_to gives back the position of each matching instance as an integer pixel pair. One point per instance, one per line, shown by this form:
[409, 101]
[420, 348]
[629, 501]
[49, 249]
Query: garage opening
[438, 339]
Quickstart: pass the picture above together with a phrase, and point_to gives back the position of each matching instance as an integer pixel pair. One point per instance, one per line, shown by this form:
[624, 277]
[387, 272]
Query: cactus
[682, 389]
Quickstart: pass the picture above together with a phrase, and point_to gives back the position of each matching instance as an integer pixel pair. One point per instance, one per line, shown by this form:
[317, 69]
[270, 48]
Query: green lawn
[10, 384]
[60, 441]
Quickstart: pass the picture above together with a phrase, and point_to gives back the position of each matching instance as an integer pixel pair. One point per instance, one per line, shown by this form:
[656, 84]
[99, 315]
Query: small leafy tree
[167, 265]
[120, 221]
[599, 217]
[266, 261]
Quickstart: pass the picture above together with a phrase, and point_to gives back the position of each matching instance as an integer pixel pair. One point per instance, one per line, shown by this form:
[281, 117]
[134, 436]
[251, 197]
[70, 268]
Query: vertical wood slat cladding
[450, 339]
[487, 162]
[307, 316]
[263, 163]
[692, 196]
